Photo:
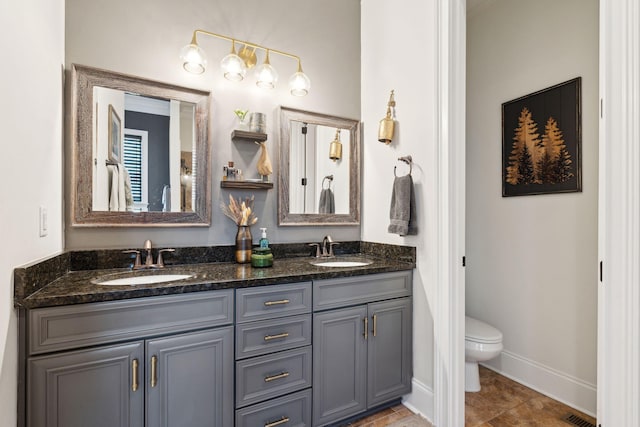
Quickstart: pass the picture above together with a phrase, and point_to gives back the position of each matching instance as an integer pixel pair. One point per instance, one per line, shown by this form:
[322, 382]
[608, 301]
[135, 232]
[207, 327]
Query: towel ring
[328, 177]
[406, 159]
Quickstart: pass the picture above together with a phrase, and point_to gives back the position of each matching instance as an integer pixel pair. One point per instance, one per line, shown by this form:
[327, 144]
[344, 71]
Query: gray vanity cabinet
[340, 370]
[362, 353]
[163, 361]
[190, 380]
[98, 388]
[273, 355]
[389, 355]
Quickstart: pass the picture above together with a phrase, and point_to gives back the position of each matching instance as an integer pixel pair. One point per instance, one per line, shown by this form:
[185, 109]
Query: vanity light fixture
[386, 127]
[335, 148]
[235, 65]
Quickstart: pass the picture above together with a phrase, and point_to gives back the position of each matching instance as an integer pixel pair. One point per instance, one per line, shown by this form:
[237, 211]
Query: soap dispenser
[264, 242]
[262, 256]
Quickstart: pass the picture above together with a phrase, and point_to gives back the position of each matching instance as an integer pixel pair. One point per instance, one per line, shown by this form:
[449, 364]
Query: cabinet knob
[281, 421]
[134, 375]
[276, 377]
[366, 328]
[279, 302]
[154, 371]
[277, 336]
[375, 323]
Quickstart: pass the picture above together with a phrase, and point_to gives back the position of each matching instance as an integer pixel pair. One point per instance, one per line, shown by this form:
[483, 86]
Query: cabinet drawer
[335, 293]
[257, 338]
[74, 326]
[293, 410]
[266, 302]
[273, 375]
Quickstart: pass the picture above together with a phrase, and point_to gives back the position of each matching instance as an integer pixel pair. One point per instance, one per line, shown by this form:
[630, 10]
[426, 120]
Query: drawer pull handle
[275, 337]
[134, 374]
[366, 328]
[154, 371]
[281, 421]
[279, 302]
[375, 324]
[276, 377]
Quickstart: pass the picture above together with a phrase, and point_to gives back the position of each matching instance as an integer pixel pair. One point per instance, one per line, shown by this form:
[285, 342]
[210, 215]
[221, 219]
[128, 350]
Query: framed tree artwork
[541, 142]
[114, 135]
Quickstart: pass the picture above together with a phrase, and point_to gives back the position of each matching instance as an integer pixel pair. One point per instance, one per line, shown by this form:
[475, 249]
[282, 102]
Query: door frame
[619, 215]
[449, 310]
[618, 349]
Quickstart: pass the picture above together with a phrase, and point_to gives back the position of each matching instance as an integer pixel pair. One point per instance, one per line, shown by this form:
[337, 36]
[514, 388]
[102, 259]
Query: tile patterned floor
[500, 403]
[395, 416]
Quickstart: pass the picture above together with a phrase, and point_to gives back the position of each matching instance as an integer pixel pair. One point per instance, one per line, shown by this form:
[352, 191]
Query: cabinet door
[190, 379]
[339, 364]
[389, 351]
[87, 388]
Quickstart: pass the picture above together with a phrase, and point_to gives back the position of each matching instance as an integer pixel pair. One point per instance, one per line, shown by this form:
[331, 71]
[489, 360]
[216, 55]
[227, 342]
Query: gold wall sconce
[335, 148]
[235, 65]
[387, 124]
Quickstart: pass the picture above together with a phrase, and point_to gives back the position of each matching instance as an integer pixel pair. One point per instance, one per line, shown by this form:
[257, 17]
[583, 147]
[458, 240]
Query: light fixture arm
[234, 65]
[246, 43]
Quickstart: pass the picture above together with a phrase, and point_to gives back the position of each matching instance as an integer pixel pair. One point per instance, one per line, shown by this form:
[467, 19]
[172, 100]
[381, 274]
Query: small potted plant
[242, 116]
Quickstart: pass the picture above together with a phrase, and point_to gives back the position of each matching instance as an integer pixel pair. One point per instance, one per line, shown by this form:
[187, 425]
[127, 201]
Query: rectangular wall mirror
[140, 151]
[319, 176]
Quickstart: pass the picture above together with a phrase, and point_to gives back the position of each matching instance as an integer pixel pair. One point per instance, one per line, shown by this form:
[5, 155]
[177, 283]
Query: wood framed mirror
[316, 187]
[140, 152]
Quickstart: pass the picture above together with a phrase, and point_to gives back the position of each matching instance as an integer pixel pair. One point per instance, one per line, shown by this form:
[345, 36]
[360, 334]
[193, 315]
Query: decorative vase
[243, 244]
[242, 124]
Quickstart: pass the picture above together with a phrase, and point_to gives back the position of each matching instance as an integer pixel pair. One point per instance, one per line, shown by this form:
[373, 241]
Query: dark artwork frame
[114, 132]
[542, 141]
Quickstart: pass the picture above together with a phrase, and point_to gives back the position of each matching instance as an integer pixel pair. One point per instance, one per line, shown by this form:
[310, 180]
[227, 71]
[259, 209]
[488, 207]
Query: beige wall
[32, 40]
[144, 37]
[398, 52]
[532, 260]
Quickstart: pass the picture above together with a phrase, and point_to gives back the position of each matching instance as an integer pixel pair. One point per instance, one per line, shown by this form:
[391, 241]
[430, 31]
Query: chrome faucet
[324, 249]
[148, 262]
[327, 240]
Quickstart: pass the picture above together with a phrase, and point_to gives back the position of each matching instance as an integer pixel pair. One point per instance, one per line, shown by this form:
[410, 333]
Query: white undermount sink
[139, 279]
[342, 262]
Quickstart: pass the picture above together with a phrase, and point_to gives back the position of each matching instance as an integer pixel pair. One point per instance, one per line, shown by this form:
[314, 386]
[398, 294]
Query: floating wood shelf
[249, 136]
[247, 185]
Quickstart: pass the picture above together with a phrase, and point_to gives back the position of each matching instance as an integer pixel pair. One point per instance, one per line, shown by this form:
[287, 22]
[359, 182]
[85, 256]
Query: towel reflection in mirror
[327, 202]
[309, 190]
[119, 189]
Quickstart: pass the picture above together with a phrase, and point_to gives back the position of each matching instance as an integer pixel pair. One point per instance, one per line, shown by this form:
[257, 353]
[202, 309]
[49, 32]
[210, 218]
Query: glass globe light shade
[266, 75]
[299, 84]
[193, 58]
[233, 67]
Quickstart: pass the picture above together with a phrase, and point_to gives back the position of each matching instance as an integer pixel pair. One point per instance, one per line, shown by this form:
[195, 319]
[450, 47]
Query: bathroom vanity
[293, 345]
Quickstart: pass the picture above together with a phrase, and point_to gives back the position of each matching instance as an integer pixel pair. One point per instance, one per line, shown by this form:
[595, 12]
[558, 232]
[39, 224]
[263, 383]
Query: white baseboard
[420, 401]
[564, 388]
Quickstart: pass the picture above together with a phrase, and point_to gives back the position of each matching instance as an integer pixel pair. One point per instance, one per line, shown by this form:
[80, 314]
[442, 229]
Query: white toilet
[481, 342]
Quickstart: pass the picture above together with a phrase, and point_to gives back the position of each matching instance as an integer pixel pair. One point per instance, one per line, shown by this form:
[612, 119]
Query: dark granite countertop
[76, 287]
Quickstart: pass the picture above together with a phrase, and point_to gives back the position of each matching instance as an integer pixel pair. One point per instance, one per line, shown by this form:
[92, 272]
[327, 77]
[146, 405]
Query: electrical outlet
[44, 222]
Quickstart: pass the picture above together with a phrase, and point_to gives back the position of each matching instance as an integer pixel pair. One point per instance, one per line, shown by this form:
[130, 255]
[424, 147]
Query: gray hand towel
[327, 202]
[403, 207]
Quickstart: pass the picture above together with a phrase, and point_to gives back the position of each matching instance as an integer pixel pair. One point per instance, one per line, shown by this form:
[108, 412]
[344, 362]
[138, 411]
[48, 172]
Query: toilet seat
[479, 332]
